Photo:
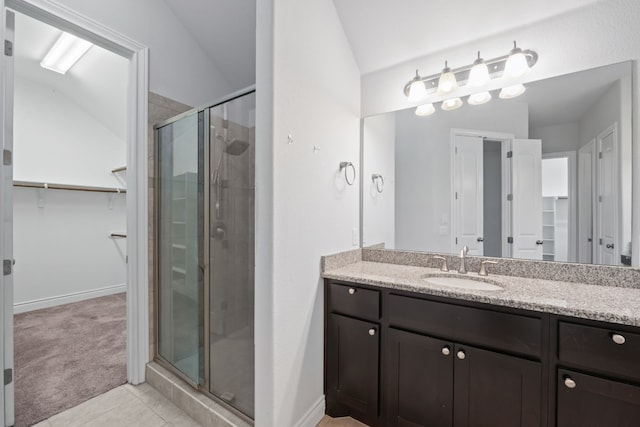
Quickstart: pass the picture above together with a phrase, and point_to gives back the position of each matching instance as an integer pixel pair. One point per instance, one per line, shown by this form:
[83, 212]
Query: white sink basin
[463, 283]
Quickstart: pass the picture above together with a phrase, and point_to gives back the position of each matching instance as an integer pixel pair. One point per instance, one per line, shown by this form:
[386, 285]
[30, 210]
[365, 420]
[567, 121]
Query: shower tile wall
[160, 109]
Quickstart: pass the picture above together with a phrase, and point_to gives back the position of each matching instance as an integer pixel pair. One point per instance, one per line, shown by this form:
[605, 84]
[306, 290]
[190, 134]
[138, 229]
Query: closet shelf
[46, 185]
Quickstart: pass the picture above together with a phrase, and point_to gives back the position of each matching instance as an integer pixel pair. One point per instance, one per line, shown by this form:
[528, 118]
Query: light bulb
[425, 110]
[512, 91]
[447, 82]
[451, 104]
[479, 98]
[417, 89]
[479, 74]
[516, 65]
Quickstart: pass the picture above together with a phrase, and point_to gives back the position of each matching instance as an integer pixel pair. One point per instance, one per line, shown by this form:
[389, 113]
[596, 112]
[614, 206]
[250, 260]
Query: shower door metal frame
[204, 266]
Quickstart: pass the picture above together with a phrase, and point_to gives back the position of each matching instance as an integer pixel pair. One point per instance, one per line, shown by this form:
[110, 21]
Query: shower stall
[205, 169]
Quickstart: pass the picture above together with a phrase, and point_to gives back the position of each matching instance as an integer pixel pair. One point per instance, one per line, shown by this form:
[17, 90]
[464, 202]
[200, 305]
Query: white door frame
[137, 161]
[573, 193]
[590, 148]
[506, 139]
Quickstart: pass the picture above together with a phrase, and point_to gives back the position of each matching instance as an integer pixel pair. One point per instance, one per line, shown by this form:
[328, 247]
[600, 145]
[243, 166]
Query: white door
[526, 164]
[586, 156]
[6, 221]
[607, 212]
[468, 194]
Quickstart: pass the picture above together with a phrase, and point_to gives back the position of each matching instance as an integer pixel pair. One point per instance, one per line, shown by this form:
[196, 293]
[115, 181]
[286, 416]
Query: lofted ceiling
[383, 33]
[567, 98]
[97, 83]
[226, 30]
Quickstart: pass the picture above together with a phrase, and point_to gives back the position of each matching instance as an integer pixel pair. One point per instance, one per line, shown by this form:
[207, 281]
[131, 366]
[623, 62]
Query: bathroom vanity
[400, 351]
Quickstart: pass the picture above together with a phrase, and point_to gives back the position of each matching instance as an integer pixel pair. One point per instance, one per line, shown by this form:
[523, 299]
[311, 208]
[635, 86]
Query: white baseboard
[23, 307]
[313, 415]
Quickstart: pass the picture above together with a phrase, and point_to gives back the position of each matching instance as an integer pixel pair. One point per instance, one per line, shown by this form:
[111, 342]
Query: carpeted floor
[68, 354]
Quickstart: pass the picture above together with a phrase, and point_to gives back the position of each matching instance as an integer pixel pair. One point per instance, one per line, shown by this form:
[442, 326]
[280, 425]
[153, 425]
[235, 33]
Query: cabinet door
[586, 401]
[492, 389]
[352, 367]
[420, 380]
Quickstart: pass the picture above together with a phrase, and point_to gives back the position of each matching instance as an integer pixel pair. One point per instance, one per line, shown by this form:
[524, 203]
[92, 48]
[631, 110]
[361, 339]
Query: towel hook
[345, 165]
[378, 180]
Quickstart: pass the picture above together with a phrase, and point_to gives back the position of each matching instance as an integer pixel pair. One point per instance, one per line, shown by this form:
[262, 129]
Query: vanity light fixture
[425, 110]
[66, 51]
[447, 83]
[417, 89]
[479, 98]
[479, 74]
[504, 69]
[512, 91]
[516, 65]
[451, 104]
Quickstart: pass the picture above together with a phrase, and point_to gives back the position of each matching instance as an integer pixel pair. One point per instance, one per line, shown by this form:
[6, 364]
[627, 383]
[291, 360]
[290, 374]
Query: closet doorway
[70, 222]
[74, 210]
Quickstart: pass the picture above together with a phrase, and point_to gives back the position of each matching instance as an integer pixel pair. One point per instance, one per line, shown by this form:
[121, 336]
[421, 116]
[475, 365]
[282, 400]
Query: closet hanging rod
[120, 169]
[118, 235]
[48, 186]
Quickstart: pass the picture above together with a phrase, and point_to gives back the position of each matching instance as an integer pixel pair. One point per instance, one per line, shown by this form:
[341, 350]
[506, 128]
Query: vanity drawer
[493, 329]
[608, 350]
[354, 301]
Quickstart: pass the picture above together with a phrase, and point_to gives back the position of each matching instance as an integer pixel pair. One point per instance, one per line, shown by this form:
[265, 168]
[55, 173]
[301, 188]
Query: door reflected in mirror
[546, 176]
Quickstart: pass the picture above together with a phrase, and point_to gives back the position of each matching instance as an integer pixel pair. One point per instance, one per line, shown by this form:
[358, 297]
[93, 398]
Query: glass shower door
[231, 252]
[180, 181]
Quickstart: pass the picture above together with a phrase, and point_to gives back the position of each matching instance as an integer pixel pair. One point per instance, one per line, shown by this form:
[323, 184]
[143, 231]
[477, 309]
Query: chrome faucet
[463, 256]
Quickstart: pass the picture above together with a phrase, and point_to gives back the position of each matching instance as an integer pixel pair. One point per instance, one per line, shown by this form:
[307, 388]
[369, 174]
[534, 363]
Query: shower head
[236, 147]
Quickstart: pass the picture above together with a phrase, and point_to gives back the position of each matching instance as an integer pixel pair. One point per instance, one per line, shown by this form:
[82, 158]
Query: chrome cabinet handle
[569, 382]
[461, 355]
[618, 339]
[446, 351]
[372, 331]
[352, 291]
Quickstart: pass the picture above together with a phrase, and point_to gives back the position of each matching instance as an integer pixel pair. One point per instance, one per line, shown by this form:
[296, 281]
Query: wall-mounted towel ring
[378, 180]
[345, 166]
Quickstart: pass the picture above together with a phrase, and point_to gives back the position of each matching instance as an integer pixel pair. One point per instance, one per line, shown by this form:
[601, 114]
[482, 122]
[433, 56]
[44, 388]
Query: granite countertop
[596, 302]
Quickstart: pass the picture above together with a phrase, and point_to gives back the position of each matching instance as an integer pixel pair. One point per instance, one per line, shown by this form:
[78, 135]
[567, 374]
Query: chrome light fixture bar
[496, 67]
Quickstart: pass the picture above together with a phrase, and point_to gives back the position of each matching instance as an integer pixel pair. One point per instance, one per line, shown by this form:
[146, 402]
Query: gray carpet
[68, 354]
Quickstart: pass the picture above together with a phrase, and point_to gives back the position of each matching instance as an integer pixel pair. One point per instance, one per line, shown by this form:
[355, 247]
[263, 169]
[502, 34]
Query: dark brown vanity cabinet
[436, 382]
[598, 376]
[352, 352]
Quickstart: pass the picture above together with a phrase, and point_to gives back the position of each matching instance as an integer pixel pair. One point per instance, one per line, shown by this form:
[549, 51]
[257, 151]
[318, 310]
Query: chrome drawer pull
[372, 331]
[446, 351]
[618, 339]
[570, 383]
[352, 291]
[461, 355]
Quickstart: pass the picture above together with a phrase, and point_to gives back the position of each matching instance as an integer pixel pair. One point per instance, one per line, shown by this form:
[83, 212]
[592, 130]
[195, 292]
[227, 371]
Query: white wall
[178, 67]
[56, 141]
[423, 167]
[601, 34]
[61, 245]
[62, 249]
[555, 177]
[379, 158]
[314, 96]
[557, 138]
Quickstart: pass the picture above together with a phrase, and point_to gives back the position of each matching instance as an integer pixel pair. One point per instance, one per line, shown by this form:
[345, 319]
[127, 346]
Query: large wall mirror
[544, 176]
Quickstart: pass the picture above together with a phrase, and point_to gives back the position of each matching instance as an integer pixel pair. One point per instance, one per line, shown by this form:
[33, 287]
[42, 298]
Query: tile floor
[142, 406]
[327, 421]
[127, 405]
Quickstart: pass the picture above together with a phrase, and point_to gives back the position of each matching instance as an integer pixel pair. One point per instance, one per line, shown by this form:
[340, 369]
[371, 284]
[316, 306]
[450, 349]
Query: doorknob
[539, 242]
[609, 245]
[480, 239]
